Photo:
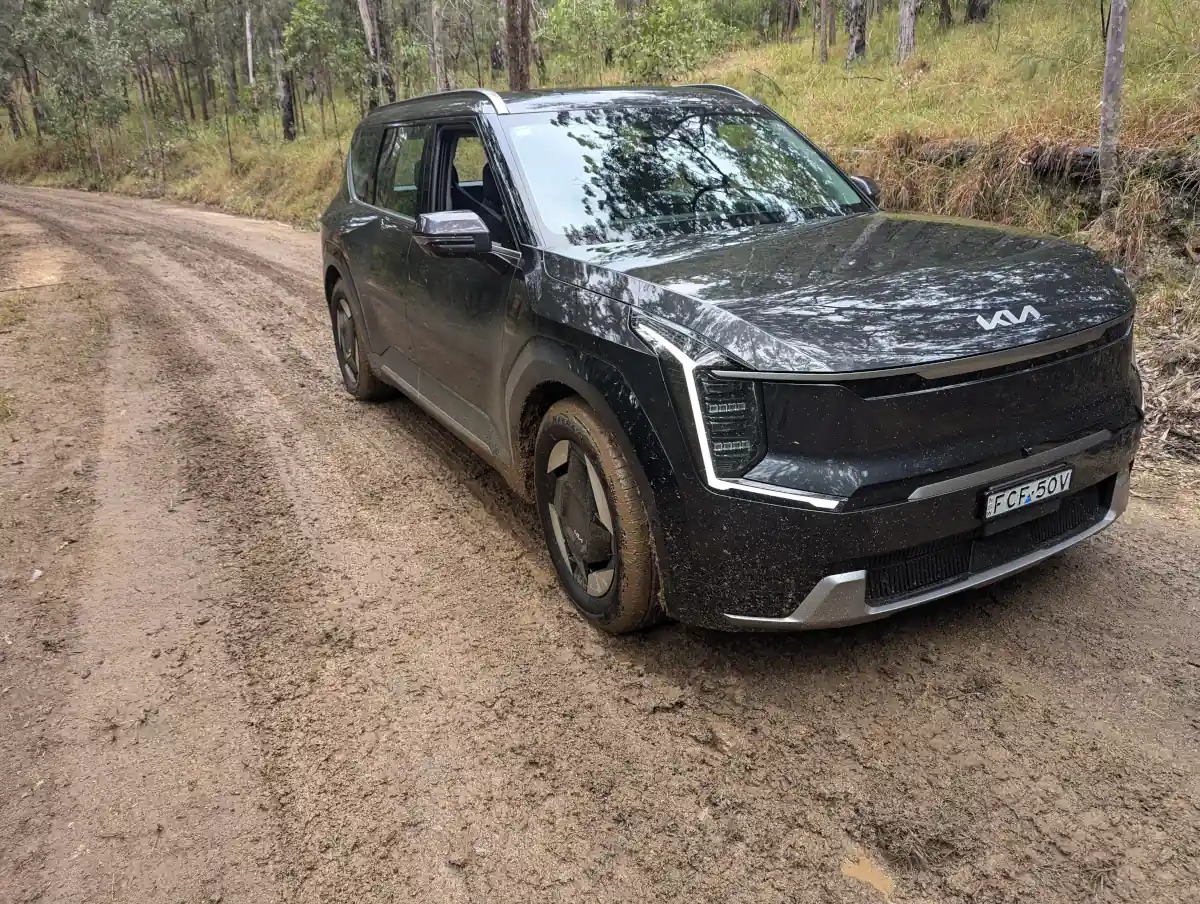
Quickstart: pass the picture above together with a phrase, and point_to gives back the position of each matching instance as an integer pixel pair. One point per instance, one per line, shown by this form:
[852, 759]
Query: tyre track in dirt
[434, 723]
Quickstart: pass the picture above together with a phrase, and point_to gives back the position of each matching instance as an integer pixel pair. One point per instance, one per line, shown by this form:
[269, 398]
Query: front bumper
[745, 564]
[841, 599]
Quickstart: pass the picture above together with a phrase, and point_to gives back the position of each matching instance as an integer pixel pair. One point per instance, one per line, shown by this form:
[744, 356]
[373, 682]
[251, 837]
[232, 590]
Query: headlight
[726, 415]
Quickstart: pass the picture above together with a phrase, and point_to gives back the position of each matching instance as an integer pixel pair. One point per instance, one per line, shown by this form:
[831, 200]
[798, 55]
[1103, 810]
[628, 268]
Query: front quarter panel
[583, 341]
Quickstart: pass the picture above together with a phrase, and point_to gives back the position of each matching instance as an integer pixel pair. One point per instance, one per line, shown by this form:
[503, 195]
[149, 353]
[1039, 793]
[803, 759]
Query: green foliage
[410, 57]
[582, 30]
[670, 38]
[310, 35]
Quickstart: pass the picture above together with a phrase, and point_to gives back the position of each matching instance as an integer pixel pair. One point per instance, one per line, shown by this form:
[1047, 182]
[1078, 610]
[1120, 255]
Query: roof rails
[487, 94]
[725, 88]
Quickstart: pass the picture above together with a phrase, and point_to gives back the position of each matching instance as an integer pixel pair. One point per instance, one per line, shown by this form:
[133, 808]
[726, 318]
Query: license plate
[1028, 492]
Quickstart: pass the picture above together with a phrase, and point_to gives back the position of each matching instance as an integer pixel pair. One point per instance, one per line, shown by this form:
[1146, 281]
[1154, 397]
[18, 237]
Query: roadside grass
[8, 407]
[1034, 71]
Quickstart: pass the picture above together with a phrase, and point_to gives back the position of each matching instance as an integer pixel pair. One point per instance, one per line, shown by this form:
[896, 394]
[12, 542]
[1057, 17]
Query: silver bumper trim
[841, 599]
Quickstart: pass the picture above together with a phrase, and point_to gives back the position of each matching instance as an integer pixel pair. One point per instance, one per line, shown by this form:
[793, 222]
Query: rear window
[398, 186]
[363, 151]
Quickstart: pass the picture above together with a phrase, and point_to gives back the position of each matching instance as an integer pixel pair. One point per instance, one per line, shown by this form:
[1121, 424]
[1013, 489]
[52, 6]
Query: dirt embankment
[282, 646]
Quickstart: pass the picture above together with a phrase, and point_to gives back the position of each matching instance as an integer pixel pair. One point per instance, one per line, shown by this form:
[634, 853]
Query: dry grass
[1169, 355]
[8, 407]
[12, 309]
[1034, 72]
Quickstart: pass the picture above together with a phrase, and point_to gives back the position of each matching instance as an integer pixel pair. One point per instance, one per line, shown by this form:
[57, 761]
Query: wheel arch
[546, 371]
[337, 271]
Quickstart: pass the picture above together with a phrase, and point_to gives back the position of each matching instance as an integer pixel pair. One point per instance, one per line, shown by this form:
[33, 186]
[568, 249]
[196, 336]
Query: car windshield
[606, 175]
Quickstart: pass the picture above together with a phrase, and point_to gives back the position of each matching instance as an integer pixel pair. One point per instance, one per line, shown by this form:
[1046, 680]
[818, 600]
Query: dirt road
[262, 643]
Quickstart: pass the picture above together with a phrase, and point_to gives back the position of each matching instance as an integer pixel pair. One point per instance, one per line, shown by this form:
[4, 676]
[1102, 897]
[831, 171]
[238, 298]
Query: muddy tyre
[354, 362]
[595, 523]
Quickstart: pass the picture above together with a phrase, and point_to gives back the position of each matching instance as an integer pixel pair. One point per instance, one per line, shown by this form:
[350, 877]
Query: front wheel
[594, 521]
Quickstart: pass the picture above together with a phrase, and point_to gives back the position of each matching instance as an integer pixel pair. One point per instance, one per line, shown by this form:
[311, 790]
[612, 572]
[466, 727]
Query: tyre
[354, 362]
[594, 521]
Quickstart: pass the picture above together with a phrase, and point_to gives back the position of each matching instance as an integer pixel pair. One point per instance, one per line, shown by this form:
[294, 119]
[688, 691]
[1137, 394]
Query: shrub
[669, 38]
[584, 31]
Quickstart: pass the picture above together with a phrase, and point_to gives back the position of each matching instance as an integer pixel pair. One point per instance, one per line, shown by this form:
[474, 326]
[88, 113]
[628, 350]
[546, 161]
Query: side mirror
[868, 187]
[452, 233]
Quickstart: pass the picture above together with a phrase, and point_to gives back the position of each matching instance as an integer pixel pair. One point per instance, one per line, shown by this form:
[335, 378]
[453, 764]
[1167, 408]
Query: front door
[458, 305]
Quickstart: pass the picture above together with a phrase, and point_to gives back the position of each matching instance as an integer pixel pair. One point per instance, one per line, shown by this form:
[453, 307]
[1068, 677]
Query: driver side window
[470, 183]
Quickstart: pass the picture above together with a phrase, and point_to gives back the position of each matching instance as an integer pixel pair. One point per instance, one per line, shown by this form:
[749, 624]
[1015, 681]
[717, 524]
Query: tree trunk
[202, 79]
[283, 90]
[231, 85]
[33, 88]
[152, 88]
[1110, 101]
[437, 48]
[519, 40]
[378, 32]
[906, 41]
[878, 10]
[977, 10]
[14, 112]
[831, 18]
[175, 89]
[187, 91]
[945, 16]
[502, 31]
[856, 30]
[823, 40]
[249, 49]
[298, 101]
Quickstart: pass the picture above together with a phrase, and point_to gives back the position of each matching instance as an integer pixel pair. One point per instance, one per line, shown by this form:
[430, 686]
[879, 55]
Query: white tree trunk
[437, 48]
[249, 49]
[906, 41]
[1110, 100]
[856, 30]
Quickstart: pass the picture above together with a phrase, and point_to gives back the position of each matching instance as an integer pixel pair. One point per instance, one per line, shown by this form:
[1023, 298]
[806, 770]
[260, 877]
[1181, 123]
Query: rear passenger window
[397, 187]
[363, 152]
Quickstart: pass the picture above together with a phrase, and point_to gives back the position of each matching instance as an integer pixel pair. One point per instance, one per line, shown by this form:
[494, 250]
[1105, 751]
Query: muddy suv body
[739, 393]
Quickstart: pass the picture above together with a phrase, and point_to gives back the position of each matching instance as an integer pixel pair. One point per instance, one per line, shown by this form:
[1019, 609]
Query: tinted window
[397, 186]
[604, 175]
[363, 151]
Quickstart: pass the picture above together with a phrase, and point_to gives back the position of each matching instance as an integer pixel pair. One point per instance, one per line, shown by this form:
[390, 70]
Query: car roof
[465, 101]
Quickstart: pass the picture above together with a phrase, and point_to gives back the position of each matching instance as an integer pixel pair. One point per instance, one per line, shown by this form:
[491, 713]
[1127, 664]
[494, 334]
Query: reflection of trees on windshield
[650, 172]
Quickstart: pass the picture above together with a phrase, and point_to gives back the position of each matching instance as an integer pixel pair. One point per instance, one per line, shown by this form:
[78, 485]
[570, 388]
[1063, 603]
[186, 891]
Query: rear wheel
[354, 362]
[594, 521]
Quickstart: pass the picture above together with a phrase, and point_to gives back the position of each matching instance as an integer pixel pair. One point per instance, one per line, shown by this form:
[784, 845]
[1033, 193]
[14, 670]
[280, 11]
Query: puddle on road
[864, 870]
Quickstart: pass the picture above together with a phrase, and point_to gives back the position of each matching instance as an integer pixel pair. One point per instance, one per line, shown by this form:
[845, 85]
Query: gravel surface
[259, 642]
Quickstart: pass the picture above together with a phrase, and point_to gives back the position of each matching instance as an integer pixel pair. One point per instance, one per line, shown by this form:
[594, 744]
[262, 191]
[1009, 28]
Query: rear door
[358, 233]
[397, 200]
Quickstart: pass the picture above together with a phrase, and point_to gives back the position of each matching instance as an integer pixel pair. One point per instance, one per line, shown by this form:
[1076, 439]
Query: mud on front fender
[544, 363]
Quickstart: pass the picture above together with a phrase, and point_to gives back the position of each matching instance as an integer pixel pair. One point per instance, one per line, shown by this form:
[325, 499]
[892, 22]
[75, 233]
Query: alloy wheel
[347, 342]
[581, 518]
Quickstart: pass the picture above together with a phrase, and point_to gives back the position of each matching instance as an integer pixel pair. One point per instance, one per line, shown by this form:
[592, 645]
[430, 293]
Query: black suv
[739, 394]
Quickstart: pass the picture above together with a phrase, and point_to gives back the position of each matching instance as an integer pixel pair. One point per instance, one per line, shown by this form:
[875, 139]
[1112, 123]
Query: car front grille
[895, 575]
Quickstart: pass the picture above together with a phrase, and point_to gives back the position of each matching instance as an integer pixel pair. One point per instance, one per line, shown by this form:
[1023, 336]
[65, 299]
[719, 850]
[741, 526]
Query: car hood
[857, 293]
